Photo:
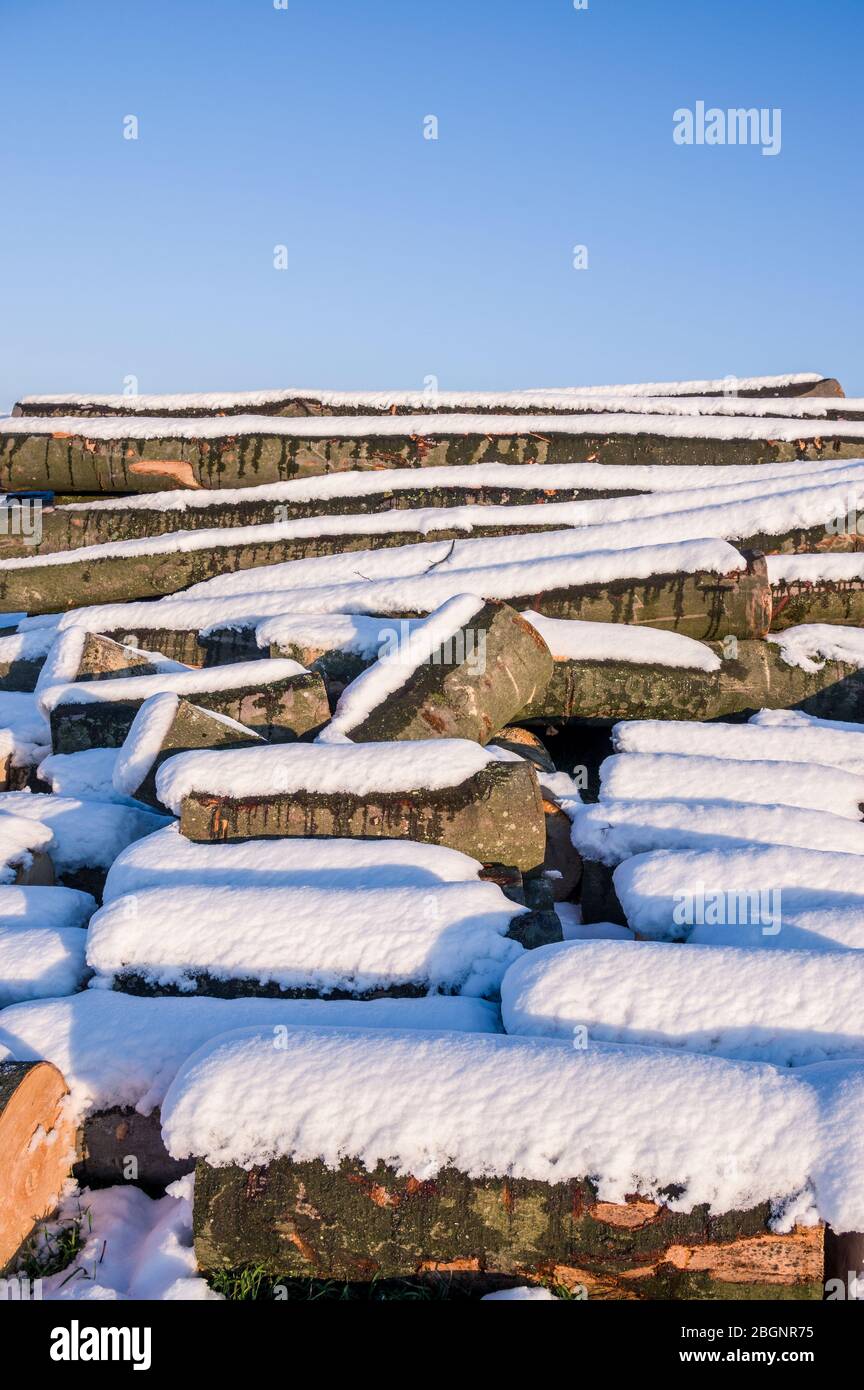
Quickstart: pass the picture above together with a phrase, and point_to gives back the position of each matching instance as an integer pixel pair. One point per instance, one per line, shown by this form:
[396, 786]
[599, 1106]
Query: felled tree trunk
[104, 659]
[191, 728]
[802, 601]
[477, 681]
[120, 1145]
[78, 463]
[280, 711]
[305, 1220]
[37, 1149]
[755, 677]
[495, 816]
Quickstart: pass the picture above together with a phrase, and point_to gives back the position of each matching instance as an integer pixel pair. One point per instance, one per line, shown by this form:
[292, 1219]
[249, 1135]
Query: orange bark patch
[631, 1216]
[181, 472]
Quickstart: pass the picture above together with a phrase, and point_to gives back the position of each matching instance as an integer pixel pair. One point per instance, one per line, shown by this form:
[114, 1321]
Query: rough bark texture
[75, 463]
[37, 1145]
[191, 728]
[299, 403]
[104, 659]
[755, 677]
[493, 667]
[797, 602]
[279, 711]
[109, 1139]
[221, 648]
[305, 1220]
[496, 816]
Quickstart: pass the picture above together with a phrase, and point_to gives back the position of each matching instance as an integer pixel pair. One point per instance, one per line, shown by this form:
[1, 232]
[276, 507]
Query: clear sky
[303, 127]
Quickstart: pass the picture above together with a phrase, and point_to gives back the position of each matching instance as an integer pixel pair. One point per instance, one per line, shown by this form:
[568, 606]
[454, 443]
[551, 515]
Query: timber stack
[398, 792]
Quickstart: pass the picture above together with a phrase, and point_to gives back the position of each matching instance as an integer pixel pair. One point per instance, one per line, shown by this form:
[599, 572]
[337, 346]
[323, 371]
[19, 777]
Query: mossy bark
[495, 816]
[280, 711]
[306, 1220]
[799, 601]
[76, 463]
[477, 681]
[752, 676]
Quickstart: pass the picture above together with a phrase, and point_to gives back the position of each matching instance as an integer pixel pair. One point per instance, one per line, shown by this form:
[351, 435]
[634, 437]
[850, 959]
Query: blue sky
[406, 257]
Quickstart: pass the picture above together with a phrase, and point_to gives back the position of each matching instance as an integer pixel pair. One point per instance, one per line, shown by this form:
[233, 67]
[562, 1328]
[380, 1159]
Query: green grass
[52, 1248]
[252, 1283]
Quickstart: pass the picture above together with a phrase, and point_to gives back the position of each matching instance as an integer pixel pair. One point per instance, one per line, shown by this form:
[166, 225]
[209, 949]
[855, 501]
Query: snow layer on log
[452, 939]
[40, 962]
[86, 834]
[359, 769]
[214, 401]
[570, 640]
[812, 644]
[761, 886]
[122, 1050]
[689, 426]
[238, 675]
[814, 929]
[612, 830]
[168, 859]
[824, 567]
[678, 777]
[786, 1007]
[20, 839]
[36, 906]
[637, 1119]
[393, 669]
[744, 742]
[24, 733]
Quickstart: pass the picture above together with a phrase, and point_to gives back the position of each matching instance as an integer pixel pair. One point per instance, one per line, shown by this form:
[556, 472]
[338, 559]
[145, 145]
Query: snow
[344, 632]
[781, 428]
[523, 1293]
[832, 747]
[143, 743]
[121, 1050]
[24, 905]
[214, 401]
[640, 1119]
[24, 733]
[81, 834]
[812, 644]
[570, 640]
[358, 769]
[824, 567]
[132, 1247]
[763, 886]
[839, 1088]
[395, 666]
[237, 676]
[813, 929]
[20, 839]
[786, 1007]
[797, 719]
[167, 858]
[25, 646]
[63, 660]
[676, 777]
[612, 830]
[449, 939]
[39, 962]
[87, 774]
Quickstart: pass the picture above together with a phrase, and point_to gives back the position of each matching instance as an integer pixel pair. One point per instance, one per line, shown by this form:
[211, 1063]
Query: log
[37, 1145]
[112, 457]
[317, 403]
[304, 1220]
[488, 668]
[795, 601]
[187, 727]
[844, 1264]
[755, 677]
[280, 707]
[104, 659]
[495, 816]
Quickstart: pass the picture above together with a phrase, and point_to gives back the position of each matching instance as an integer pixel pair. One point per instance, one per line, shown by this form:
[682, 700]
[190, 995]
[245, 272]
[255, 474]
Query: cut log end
[37, 1149]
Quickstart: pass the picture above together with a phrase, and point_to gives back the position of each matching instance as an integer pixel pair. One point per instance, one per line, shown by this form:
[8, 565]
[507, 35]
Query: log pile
[470, 754]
